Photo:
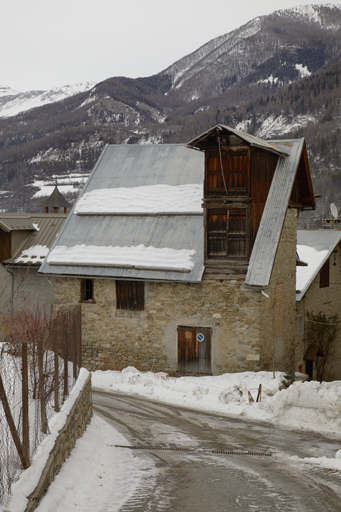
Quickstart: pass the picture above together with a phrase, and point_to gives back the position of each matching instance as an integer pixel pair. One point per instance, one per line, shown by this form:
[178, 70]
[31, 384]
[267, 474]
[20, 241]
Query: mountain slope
[276, 76]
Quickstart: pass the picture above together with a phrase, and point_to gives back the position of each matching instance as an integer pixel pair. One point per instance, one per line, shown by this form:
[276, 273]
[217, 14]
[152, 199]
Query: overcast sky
[49, 43]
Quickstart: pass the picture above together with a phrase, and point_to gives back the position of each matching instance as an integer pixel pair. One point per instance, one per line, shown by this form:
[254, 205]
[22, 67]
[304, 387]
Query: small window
[324, 275]
[87, 290]
[130, 295]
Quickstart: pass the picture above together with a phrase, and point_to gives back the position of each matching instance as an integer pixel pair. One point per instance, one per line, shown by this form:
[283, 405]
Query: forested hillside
[276, 77]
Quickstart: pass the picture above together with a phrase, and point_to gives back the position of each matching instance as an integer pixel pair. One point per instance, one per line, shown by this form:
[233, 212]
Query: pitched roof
[265, 247]
[314, 247]
[56, 200]
[123, 174]
[45, 228]
[200, 141]
[16, 222]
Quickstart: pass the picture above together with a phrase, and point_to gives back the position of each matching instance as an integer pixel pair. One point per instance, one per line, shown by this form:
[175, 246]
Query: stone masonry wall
[279, 316]
[114, 339]
[328, 301]
[76, 423]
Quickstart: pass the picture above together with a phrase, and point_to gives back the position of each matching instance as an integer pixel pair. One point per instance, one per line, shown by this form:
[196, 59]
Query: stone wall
[279, 316]
[148, 339]
[328, 301]
[76, 423]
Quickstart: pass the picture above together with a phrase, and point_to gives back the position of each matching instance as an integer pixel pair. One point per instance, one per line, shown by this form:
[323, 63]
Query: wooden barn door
[236, 234]
[194, 350]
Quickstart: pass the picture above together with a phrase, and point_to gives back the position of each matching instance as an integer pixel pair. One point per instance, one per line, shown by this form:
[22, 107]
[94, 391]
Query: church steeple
[56, 201]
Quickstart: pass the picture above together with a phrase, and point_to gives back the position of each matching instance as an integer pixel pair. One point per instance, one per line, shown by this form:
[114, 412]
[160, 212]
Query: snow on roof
[145, 199]
[136, 257]
[313, 247]
[35, 254]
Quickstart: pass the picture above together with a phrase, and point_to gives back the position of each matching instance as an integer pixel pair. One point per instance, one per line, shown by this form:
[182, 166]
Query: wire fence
[40, 359]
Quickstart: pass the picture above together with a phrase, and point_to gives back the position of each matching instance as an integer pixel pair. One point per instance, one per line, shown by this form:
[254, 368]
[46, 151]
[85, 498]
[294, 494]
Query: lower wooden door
[194, 350]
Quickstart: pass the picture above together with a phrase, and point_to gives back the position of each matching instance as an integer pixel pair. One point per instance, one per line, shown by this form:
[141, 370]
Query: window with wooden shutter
[324, 275]
[227, 233]
[87, 290]
[130, 295]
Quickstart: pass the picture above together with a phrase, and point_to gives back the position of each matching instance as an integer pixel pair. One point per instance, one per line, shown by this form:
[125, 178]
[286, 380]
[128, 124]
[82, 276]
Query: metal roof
[250, 139]
[49, 225]
[322, 241]
[270, 228]
[16, 222]
[133, 166]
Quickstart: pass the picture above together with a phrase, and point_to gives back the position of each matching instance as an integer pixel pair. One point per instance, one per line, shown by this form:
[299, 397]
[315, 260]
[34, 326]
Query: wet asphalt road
[184, 472]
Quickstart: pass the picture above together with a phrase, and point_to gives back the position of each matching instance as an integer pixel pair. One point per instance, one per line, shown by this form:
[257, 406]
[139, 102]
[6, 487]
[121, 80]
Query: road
[203, 462]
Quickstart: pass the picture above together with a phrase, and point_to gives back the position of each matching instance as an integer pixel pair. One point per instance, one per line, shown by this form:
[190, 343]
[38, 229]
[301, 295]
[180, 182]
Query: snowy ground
[87, 479]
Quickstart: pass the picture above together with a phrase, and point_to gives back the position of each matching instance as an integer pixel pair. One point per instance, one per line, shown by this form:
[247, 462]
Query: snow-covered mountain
[13, 102]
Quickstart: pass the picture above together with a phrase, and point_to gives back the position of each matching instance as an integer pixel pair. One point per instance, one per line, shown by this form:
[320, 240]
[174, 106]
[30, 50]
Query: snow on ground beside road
[308, 405]
[95, 473]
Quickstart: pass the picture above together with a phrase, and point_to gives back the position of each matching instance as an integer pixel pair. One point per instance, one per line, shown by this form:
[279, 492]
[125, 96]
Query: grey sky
[48, 43]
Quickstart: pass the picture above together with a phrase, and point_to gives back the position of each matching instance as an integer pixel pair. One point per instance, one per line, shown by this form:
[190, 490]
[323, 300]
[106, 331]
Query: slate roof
[137, 166]
[56, 200]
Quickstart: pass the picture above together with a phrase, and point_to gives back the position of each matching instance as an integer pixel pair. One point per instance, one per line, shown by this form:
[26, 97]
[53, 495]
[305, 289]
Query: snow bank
[30, 477]
[309, 405]
[148, 199]
[138, 256]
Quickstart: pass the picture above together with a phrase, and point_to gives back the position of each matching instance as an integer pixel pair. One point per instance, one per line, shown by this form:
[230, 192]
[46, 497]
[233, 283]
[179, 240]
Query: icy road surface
[198, 478]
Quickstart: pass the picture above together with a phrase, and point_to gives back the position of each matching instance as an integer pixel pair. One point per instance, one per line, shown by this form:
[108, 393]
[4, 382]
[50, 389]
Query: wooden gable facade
[238, 176]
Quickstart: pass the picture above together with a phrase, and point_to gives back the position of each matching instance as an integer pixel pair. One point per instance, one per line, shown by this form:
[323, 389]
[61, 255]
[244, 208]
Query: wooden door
[194, 350]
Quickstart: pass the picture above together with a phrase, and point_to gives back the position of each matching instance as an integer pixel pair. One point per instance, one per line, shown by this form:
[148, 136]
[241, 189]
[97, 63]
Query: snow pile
[34, 254]
[315, 260]
[148, 199]
[127, 257]
[226, 393]
[308, 405]
[30, 477]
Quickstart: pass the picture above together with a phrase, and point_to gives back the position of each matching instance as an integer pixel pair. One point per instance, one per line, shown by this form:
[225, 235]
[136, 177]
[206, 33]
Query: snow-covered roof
[313, 247]
[44, 229]
[138, 217]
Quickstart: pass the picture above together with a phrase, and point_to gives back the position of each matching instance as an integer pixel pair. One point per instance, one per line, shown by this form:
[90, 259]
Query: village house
[318, 291]
[25, 240]
[184, 256]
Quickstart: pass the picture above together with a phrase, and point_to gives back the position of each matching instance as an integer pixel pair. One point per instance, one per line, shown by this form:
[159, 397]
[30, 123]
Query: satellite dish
[334, 211]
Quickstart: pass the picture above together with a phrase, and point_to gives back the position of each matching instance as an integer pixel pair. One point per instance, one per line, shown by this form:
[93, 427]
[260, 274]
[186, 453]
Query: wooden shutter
[130, 295]
[216, 234]
[236, 170]
[237, 233]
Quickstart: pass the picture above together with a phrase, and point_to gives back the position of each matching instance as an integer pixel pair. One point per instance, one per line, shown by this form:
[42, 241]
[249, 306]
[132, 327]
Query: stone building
[24, 242]
[184, 256]
[318, 291]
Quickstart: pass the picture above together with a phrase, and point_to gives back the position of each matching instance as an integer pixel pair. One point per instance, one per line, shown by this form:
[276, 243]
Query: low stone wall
[76, 423]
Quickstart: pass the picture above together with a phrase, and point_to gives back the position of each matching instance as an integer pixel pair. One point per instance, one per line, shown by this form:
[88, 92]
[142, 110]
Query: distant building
[184, 256]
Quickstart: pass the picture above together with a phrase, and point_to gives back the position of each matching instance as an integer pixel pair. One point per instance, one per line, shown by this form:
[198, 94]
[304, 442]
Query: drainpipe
[12, 287]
